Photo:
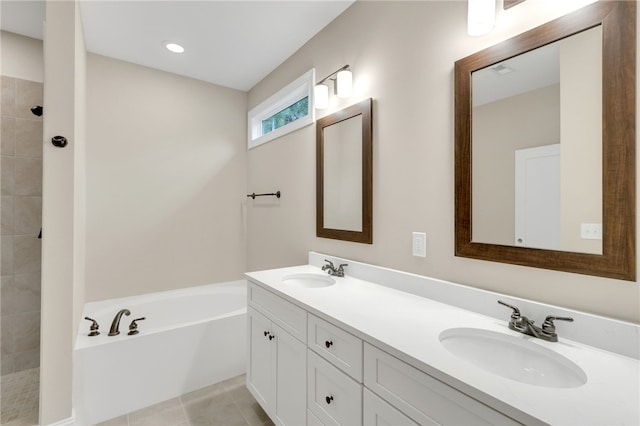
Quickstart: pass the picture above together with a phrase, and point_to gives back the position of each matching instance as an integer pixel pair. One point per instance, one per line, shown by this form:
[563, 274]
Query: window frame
[295, 91]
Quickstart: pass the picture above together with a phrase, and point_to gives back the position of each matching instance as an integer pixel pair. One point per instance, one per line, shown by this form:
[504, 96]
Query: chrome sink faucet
[524, 325]
[332, 269]
[115, 324]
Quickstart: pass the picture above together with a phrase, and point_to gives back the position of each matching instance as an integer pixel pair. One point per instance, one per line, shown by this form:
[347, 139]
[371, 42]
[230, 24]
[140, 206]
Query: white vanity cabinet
[303, 369]
[277, 361]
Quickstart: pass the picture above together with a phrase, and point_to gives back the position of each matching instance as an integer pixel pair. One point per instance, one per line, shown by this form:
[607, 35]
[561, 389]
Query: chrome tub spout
[115, 324]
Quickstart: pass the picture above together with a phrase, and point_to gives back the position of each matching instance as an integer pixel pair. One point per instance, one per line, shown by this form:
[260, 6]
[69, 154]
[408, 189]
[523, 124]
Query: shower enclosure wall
[21, 211]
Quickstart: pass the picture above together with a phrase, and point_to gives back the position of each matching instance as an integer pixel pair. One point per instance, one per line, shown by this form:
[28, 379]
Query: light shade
[344, 84]
[481, 16]
[321, 96]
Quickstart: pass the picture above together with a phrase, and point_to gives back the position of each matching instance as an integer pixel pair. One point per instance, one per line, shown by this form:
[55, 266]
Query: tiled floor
[19, 393]
[224, 404]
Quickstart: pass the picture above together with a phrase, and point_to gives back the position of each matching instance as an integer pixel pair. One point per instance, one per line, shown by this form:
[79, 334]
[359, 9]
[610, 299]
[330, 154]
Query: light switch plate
[419, 244]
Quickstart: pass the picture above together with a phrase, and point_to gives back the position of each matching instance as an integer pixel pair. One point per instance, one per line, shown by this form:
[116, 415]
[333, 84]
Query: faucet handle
[330, 263]
[549, 327]
[516, 312]
[133, 327]
[93, 329]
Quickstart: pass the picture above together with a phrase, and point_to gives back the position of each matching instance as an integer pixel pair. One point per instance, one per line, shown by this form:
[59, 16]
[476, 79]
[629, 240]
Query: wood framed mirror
[613, 25]
[344, 174]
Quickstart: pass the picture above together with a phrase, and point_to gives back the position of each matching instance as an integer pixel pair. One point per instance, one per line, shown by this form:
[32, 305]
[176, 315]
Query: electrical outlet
[591, 231]
[419, 244]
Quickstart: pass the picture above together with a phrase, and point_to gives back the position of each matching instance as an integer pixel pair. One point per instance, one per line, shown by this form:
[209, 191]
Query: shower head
[37, 110]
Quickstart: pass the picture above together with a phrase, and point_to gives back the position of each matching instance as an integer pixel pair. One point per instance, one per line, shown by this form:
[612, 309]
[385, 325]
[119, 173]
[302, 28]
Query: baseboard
[65, 422]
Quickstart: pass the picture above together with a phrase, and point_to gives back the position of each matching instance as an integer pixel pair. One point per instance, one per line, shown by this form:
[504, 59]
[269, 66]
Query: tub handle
[133, 327]
[93, 329]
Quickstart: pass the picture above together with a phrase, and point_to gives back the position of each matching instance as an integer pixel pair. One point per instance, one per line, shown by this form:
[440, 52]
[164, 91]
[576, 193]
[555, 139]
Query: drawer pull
[328, 343]
[271, 337]
[328, 399]
[266, 333]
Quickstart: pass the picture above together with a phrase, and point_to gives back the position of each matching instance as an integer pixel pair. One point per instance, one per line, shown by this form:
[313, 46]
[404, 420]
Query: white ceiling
[534, 70]
[231, 43]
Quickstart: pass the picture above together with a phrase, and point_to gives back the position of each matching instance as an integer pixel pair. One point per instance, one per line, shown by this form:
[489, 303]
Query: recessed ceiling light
[173, 47]
[502, 69]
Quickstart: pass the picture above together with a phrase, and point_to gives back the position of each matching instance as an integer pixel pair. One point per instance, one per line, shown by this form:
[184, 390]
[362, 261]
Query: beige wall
[21, 57]
[166, 180]
[63, 195]
[402, 55]
[494, 146]
[581, 135]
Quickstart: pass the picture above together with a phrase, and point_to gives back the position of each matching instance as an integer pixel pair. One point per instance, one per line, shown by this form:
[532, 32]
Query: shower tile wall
[21, 211]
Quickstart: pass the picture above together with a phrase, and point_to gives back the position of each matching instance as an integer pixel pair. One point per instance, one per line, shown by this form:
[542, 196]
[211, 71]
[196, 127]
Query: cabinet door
[291, 378]
[377, 412]
[333, 397]
[261, 367]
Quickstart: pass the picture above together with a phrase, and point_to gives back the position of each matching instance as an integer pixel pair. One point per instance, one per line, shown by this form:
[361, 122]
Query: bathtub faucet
[115, 324]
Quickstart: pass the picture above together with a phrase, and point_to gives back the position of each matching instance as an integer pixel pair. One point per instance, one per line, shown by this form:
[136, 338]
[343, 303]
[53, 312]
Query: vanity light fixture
[481, 16]
[344, 84]
[173, 47]
[321, 96]
[342, 87]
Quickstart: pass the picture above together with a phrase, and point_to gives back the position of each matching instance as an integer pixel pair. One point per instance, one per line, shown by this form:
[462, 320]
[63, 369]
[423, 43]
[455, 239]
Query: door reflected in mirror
[344, 174]
[537, 147]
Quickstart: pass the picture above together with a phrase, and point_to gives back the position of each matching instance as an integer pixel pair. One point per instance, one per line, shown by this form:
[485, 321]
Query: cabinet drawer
[420, 396]
[333, 397]
[340, 348]
[290, 317]
[377, 412]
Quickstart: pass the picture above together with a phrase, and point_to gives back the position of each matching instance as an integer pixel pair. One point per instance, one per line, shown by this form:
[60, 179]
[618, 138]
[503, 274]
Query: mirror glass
[545, 155]
[537, 147]
[343, 175]
[343, 191]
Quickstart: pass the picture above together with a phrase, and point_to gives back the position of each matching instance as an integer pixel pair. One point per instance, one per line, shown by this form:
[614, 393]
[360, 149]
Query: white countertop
[408, 327]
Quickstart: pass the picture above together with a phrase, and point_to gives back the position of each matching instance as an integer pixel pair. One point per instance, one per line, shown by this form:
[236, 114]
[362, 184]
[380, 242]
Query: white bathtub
[190, 338]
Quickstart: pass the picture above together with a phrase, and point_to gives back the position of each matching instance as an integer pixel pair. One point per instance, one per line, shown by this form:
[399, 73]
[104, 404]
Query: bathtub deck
[223, 404]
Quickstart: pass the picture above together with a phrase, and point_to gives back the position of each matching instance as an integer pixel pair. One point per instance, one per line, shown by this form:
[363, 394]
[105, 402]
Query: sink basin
[309, 280]
[513, 357]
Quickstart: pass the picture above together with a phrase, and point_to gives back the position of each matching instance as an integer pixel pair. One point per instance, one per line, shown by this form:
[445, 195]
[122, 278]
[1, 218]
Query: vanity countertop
[408, 327]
